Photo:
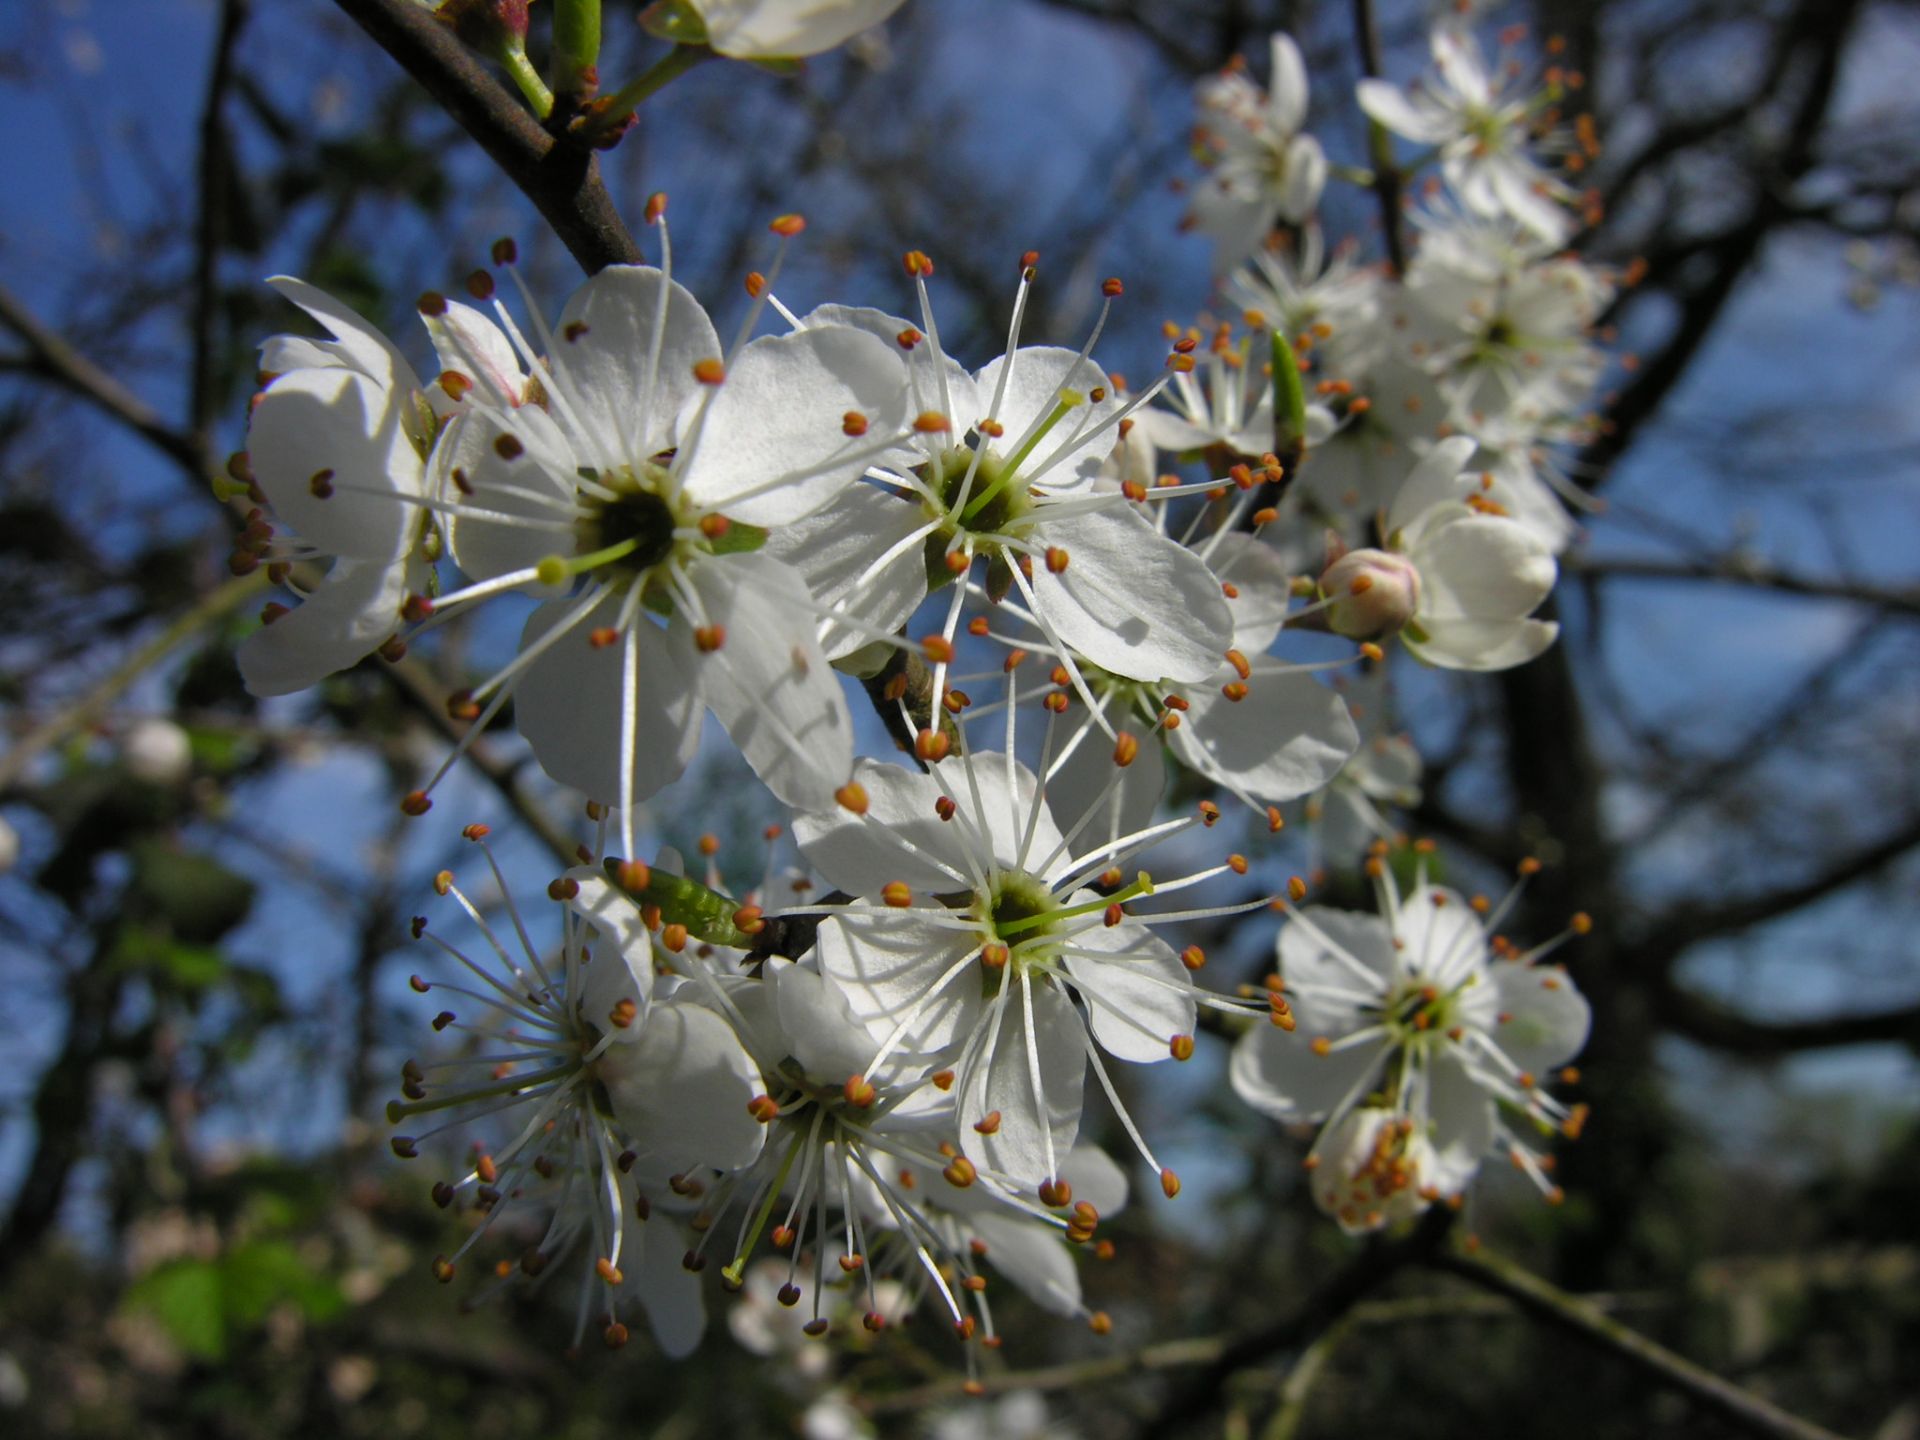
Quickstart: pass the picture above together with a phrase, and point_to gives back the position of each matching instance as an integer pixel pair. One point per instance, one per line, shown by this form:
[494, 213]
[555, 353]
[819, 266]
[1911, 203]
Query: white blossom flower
[1020, 492]
[1260, 167]
[1483, 134]
[1299, 289]
[1481, 574]
[1346, 816]
[975, 932]
[337, 448]
[638, 484]
[618, 1079]
[1421, 1039]
[157, 751]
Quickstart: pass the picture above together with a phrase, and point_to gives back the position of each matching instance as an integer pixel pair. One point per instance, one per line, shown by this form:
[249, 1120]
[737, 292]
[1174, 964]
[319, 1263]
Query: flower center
[633, 530]
[1418, 1014]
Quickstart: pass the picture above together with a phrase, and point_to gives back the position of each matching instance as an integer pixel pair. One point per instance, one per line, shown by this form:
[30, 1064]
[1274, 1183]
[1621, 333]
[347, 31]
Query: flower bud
[1370, 593]
[158, 752]
[489, 26]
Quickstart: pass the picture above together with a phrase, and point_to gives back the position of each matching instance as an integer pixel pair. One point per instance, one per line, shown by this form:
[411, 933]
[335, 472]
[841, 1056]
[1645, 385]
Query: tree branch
[560, 177]
[1710, 1023]
[1567, 1312]
[1746, 570]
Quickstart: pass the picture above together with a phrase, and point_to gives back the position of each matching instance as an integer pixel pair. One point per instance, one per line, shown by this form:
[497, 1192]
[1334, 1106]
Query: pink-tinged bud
[1370, 593]
[487, 25]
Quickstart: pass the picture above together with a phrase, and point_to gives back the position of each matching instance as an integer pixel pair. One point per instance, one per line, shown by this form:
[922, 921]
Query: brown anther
[714, 526]
[1169, 1184]
[273, 610]
[1234, 690]
[945, 807]
[1055, 1194]
[1237, 864]
[442, 1020]
[480, 285]
[632, 875]
[1193, 957]
[1126, 748]
[1056, 701]
[932, 745]
[917, 264]
[416, 803]
[931, 422]
[1581, 923]
[908, 338]
[574, 330]
[431, 303]
[485, 1169]
[964, 1327]
[454, 385]
[747, 920]
[1134, 491]
[1209, 812]
[709, 371]
[859, 1092]
[1321, 1046]
[1528, 866]
[974, 1283]
[405, 1146]
[756, 284]
[789, 1295]
[814, 1329]
[787, 226]
[320, 484]
[988, 1124]
[1100, 1323]
[1373, 652]
[1115, 913]
[1183, 364]
[958, 562]
[994, 955]
[674, 937]
[897, 893]
[607, 1271]
[709, 638]
[937, 648]
[1057, 559]
[852, 796]
[443, 1269]
[959, 1172]
[874, 1321]
[1180, 1047]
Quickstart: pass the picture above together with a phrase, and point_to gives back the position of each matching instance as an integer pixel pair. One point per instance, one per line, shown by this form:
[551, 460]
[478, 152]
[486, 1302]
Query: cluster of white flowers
[859, 1089]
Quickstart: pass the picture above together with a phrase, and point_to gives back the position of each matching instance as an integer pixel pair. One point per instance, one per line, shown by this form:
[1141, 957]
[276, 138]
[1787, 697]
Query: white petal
[1137, 995]
[1482, 567]
[885, 962]
[855, 854]
[1279, 1075]
[834, 550]
[1482, 644]
[611, 322]
[1263, 574]
[1306, 177]
[568, 707]
[470, 344]
[357, 344]
[787, 29]
[1390, 106]
[355, 610]
[1096, 1179]
[1018, 1148]
[1457, 57]
[668, 1291]
[1434, 481]
[1287, 736]
[1547, 1018]
[681, 1091]
[622, 951]
[1131, 600]
[769, 682]
[1168, 431]
[1513, 181]
[1086, 779]
[1033, 1256]
[1441, 938]
[1039, 373]
[1462, 1118]
[538, 485]
[314, 421]
[1287, 85]
[819, 1026]
[1328, 991]
[782, 411]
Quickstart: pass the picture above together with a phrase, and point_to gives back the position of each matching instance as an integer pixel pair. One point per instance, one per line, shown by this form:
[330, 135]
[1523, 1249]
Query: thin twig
[216, 185]
[1748, 1411]
[1746, 570]
[562, 179]
[1386, 175]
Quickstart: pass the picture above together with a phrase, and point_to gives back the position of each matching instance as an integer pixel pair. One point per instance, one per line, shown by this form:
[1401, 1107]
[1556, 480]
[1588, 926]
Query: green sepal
[739, 539]
[674, 20]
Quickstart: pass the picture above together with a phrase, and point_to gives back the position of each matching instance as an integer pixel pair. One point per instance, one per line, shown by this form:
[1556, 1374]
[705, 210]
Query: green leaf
[199, 898]
[674, 20]
[183, 966]
[185, 1297]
